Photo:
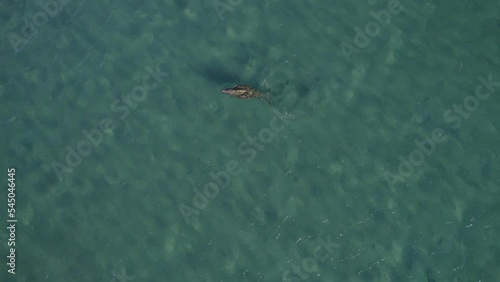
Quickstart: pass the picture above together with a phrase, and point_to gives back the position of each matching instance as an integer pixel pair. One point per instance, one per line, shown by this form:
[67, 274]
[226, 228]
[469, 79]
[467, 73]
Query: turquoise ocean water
[377, 161]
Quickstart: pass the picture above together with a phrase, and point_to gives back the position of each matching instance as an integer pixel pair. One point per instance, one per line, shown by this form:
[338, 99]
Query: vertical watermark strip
[11, 221]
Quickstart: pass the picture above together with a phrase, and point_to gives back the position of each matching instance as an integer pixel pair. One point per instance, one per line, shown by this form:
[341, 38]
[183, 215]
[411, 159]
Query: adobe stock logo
[470, 103]
[33, 24]
[427, 146]
[372, 29]
[221, 7]
[322, 252]
[94, 137]
[221, 179]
